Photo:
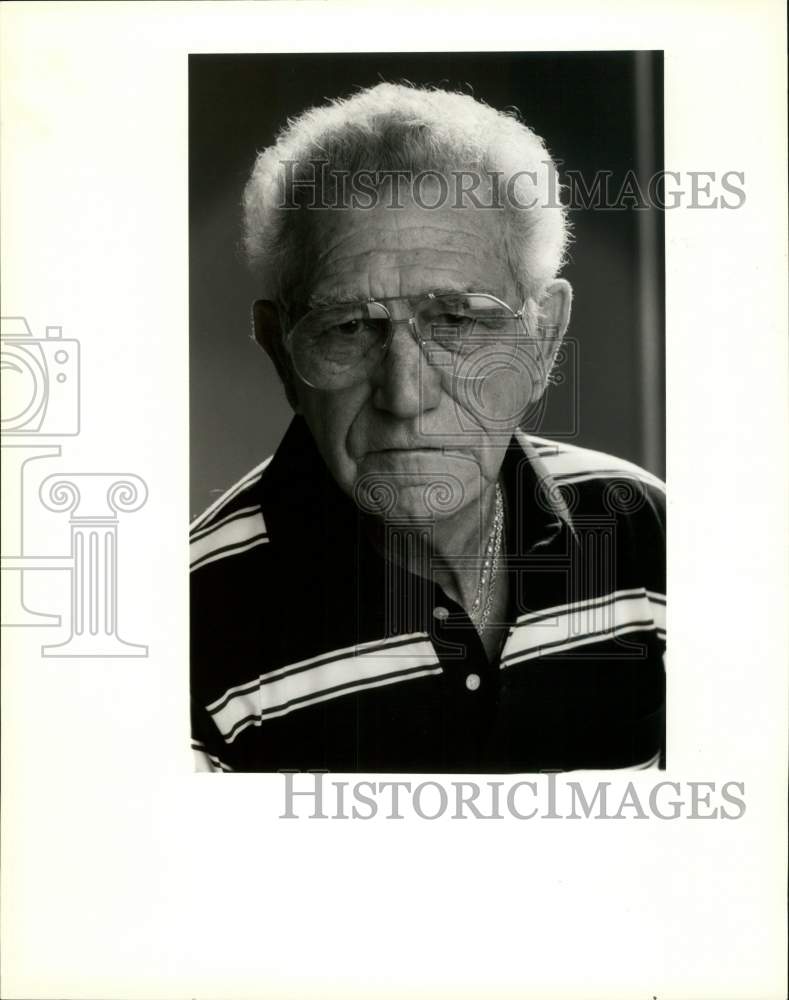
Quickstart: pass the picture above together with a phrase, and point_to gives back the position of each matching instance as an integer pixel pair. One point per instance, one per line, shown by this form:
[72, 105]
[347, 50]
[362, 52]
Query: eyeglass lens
[338, 346]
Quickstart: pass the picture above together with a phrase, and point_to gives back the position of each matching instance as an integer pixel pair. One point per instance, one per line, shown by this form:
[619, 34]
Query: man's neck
[453, 557]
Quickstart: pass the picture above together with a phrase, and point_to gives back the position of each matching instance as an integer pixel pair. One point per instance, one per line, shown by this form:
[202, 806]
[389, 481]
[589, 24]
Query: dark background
[596, 111]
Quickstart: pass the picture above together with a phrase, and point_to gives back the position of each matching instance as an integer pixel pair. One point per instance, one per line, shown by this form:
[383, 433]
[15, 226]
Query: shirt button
[473, 682]
[440, 614]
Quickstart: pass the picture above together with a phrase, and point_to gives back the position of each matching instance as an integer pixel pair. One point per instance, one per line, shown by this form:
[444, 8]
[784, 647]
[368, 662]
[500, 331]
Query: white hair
[392, 127]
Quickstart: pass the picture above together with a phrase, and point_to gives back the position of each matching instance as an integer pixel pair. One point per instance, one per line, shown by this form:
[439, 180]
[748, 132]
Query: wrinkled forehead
[389, 252]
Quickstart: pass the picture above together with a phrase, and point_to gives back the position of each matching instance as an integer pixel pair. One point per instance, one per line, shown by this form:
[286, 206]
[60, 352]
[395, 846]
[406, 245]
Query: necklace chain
[481, 611]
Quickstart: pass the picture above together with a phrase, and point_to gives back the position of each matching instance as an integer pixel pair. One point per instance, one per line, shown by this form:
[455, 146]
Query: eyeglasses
[339, 346]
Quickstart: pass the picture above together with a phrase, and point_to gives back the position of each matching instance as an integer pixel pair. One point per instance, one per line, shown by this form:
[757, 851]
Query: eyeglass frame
[411, 320]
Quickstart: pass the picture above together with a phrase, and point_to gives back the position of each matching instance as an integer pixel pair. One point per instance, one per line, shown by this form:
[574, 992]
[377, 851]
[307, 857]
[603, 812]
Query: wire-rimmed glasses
[339, 346]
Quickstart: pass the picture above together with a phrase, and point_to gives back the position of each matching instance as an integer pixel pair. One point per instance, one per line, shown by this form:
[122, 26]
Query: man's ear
[267, 331]
[555, 307]
[553, 317]
[266, 327]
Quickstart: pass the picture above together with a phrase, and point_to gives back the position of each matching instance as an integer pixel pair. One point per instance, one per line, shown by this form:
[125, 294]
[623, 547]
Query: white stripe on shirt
[309, 682]
[554, 630]
[248, 480]
[234, 535]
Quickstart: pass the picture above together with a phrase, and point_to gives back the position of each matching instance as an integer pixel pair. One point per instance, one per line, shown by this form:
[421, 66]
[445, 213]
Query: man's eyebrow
[337, 296]
[459, 289]
[462, 288]
[346, 294]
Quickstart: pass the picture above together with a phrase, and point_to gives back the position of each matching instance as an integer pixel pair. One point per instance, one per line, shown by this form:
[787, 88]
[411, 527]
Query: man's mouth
[402, 451]
[424, 457]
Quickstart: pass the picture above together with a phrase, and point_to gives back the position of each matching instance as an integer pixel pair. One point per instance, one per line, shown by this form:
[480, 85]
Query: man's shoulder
[567, 463]
[233, 524]
[615, 508]
[593, 483]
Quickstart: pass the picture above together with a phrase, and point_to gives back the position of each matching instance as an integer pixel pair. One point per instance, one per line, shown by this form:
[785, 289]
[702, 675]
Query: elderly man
[412, 583]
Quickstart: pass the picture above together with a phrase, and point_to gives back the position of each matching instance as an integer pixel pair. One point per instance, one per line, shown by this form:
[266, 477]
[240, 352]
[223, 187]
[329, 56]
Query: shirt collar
[537, 511]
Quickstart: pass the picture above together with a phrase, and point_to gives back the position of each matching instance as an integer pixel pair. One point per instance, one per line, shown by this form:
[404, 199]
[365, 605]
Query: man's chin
[413, 488]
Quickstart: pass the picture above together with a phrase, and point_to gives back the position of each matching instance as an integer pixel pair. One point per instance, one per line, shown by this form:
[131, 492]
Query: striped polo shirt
[310, 651]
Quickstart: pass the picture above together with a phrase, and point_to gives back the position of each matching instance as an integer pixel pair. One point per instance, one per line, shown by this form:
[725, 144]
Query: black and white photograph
[382, 385]
[446, 547]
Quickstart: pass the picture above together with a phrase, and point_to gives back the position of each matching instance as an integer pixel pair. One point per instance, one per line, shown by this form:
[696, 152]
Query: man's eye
[494, 322]
[350, 328]
[450, 319]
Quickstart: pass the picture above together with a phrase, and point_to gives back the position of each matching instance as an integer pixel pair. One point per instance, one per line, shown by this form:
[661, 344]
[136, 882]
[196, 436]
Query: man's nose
[405, 384]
